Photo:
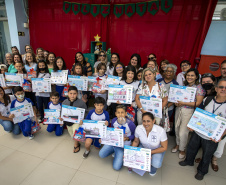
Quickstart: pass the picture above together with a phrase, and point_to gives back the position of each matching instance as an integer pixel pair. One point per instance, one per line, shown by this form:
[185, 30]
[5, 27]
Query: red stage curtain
[176, 36]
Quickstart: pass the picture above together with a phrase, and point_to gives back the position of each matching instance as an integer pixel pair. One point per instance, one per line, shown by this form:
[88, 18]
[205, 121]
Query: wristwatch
[141, 108]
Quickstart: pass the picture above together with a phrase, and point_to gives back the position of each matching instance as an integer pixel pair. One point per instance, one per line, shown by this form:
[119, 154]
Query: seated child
[25, 125]
[128, 128]
[74, 102]
[55, 104]
[97, 114]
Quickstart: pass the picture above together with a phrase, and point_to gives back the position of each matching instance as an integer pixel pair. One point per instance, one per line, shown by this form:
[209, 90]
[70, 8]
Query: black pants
[208, 147]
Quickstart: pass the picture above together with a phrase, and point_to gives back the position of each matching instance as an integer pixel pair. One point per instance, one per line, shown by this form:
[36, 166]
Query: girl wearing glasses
[185, 110]
[102, 58]
[119, 69]
[211, 149]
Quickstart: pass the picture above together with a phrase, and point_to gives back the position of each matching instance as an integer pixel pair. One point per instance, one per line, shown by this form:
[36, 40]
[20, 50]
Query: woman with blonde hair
[149, 87]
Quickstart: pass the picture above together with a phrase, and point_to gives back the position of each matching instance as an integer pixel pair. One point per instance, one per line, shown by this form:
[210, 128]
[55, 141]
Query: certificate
[59, 77]
[81, 82]
[41, 84]
[72, 114]
[96, 129]
[122, 93]
[181, 93]
[207, 124]
[14, 79]
[139, 158]
[51, 116]
[2, 81]
[22, 112]
[112, 80]
[114, 137]
[153, 105]
[91, 81]
[95, 84]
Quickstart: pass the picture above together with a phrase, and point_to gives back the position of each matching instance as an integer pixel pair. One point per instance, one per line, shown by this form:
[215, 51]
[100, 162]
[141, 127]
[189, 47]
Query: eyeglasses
[119, 67]
[102, 55]
[151, 58]
[207, 75]
[185, 65]
[168, 71]
[222, 87]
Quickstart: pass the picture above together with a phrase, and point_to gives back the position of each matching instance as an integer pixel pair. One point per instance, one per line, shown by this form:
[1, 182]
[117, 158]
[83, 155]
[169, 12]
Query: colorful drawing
[122, 93]
[114, 137]
[112, 80]
[81, 82]
[14, 79]
[139, 158]
[72, 114]
[96, 129]
[51, 116]
[41, 84]
[208, 124]
[59, 77]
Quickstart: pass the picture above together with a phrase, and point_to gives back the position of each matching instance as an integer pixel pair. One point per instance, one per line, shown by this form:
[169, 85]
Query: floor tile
[41, 145]
[210, 180]
[99, 167]
[174, 175]
[222, 168]
[5, 152]
[49, 173]
[82, 178]
[63, 154]
[16, 167]
[133, 179]
[13, 141]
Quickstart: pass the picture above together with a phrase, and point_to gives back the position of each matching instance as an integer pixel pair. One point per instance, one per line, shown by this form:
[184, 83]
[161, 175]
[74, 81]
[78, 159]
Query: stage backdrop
[176, 35]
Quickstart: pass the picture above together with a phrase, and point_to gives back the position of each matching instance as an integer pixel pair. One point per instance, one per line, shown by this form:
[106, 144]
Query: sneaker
[86, 154]
[199, 176]
[184, 163]
[152, 174]
[31, 137]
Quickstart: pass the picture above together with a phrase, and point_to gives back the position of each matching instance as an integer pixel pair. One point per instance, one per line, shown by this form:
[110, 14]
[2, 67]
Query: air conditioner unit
[220, 12]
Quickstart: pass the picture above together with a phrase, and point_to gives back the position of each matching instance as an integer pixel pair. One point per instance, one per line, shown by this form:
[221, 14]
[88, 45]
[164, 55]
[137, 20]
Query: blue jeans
[57, 128]
[40, 102]
[156, 161]
[10, 127]
[25, 127]
[118, 159]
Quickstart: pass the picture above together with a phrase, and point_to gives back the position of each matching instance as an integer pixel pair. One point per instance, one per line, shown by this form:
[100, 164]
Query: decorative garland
[104, 9]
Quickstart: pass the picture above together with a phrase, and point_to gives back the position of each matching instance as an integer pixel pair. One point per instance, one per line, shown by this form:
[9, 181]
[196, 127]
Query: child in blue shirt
[97, 114]
[128, 128]
[55, 104]
[25, 125]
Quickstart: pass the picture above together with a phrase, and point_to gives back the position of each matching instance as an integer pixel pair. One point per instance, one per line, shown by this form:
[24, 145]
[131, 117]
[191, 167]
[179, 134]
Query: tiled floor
[49, 160]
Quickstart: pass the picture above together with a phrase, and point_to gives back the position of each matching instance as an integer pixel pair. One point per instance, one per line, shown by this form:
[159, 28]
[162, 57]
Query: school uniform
[25, 125]
[55, 127]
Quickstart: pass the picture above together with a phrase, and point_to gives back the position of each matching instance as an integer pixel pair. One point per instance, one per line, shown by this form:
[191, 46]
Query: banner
[119, 9]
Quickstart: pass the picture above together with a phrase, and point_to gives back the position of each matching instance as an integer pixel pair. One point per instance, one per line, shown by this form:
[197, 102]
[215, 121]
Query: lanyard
[214, 110]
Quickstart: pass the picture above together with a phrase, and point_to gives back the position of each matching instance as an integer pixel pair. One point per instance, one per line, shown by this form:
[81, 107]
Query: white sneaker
[31, 137]
[152, 174]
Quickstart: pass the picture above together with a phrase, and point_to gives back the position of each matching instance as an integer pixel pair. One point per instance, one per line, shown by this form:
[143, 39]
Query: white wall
[215, 42]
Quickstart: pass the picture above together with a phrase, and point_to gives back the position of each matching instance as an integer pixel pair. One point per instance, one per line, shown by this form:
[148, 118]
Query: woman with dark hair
[185, 110]
[135, 60]
[50, 61]
[151, 56]
[16, 58]
[151, 136]
[5, 121]
[60, 64]
[28, 48]
[119, 69]
[102, 58]
[114, 59]
[79, 58]
[163, 65]
[185, 65]
[208, 82]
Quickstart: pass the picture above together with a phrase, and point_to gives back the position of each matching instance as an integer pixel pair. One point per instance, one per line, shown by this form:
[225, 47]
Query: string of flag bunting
[119, 9]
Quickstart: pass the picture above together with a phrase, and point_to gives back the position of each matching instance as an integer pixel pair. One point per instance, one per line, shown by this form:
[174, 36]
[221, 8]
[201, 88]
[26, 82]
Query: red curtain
[176, 36]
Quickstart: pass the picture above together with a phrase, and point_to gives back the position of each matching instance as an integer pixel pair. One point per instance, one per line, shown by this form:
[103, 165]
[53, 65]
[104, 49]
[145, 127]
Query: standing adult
[185, 110]
[102, 58]
[185, 65]
[8, 59]
[223, 71]
[14, 50]
[211, 150]
[79, 58]
[151, 56]
[135, 60]
[114, 59]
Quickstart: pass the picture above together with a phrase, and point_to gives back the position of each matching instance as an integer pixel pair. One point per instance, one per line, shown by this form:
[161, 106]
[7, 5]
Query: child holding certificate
[55, 104]
[25, 125]
[97, 114]
[128, 128]
[59, 64]
[42, 98]
[74, 102]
